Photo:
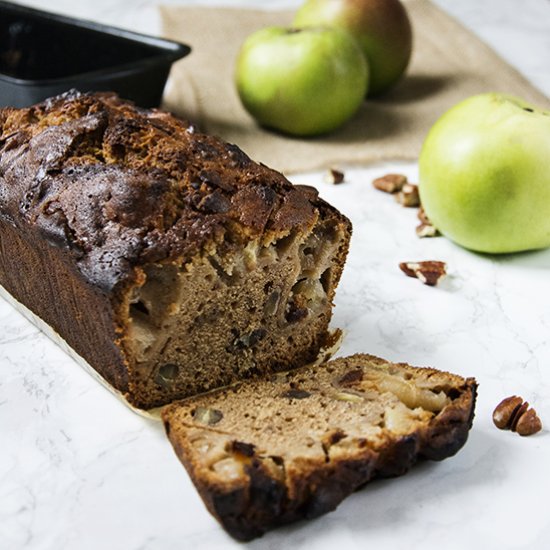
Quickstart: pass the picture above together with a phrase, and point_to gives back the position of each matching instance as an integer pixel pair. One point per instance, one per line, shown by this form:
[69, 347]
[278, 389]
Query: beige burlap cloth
[449, 64]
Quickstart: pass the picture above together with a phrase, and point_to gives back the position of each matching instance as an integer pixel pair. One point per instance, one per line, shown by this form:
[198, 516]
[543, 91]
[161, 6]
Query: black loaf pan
[43, 54]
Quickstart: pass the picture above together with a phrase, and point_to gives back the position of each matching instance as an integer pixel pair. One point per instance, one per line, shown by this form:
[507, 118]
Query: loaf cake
[268, 452]
[165, 258]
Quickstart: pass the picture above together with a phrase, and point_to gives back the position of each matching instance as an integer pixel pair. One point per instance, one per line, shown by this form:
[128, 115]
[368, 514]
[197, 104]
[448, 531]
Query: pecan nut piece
[426, 230]
[408, 196]
[422, 216]
[390, 183]
[514, 414]
[505, 411]
[430, 272]
[334, 176]
[528, 423]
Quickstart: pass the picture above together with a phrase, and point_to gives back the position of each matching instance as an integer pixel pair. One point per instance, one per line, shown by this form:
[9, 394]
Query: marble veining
[78, 470]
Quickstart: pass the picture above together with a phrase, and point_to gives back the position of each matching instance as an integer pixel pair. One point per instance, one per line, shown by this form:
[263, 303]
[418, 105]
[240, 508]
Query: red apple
[381, 27]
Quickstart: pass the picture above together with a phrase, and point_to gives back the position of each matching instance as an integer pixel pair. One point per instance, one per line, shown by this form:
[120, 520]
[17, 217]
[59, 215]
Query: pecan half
[528, 423]
[390, 183]
[514, 414]
[430, 272]
[408, 196]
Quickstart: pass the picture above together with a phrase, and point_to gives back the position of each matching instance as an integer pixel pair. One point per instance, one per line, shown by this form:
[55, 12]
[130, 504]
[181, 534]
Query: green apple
[485, 174]
[381, 27]
[301, 82]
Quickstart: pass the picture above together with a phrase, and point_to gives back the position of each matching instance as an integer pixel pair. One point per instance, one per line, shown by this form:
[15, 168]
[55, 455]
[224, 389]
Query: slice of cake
[268, 452]
[165, 258]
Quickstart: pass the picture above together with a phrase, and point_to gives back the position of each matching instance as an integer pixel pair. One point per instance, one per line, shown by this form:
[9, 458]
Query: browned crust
[249, 507]
[116, 186]
[42, 278]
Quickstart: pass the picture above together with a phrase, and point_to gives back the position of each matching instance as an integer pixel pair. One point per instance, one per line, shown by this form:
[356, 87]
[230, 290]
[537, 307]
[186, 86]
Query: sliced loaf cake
[268, 452]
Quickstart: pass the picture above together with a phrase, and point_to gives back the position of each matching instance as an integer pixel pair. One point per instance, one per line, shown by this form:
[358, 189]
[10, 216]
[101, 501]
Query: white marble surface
[80, 471]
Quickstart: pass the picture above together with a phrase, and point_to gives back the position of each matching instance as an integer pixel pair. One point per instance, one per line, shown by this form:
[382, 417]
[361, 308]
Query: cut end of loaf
[266, 453]
[225, 317]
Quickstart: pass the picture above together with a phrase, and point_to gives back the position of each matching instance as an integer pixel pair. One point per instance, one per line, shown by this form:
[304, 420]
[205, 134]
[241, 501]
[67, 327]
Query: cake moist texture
[263, 453]
[166, 258]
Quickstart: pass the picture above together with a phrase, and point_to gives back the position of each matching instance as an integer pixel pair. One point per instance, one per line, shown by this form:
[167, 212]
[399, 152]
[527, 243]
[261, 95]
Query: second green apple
[302, 82]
